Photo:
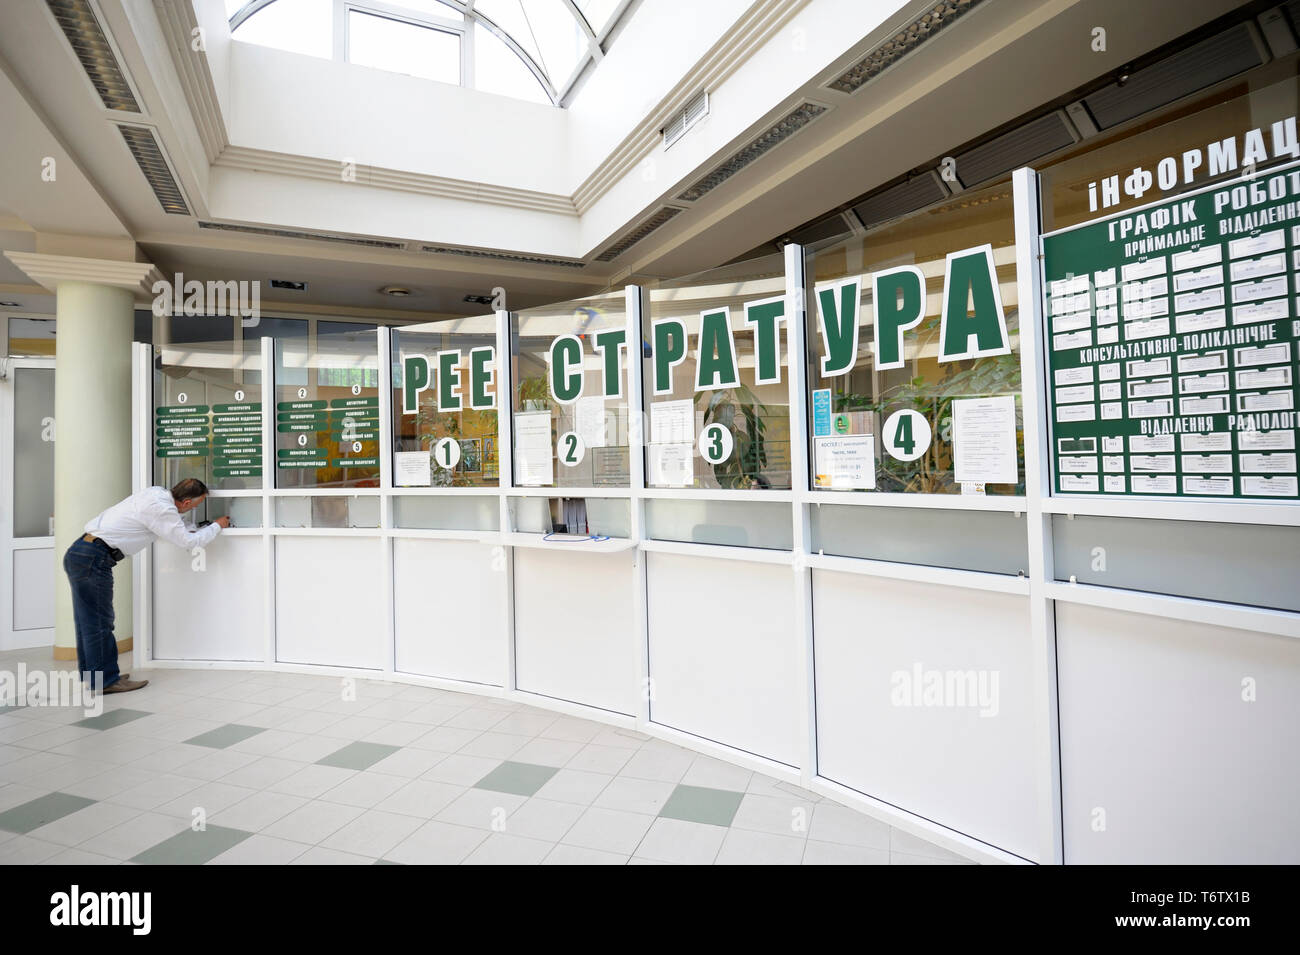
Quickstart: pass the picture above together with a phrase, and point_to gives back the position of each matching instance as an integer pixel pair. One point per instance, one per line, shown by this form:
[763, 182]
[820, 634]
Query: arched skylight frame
[558, 89]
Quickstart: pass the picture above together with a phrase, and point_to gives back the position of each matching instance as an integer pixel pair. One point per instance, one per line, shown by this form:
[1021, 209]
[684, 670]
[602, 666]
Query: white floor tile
[681, 842]
[258, 811]
[575, 855]
[409, 763]
[504, 849]
[905, 842]
[24, 850]
[494, 745]
[311, 781]
[75, 828]
[779, 815]
[611, 830]
[635, 795]
[364, 790]
[319, 855]
[845, 826]
[313, 822]
[543, 819]
[482, 809]
[715, 774]
[742, 847]
[575, 786]
[831, 853]
[595, 758]
[135, 835]
[666, 765]
[435, 843]
[461, 769]
[424, 798]
[372, 833]
[261, 850]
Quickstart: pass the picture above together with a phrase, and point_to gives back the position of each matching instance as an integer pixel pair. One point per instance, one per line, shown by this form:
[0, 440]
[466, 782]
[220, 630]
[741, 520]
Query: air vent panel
[143, 144]
[938, 17]
[821, 233]
[1013, 149]
[291, 234]
[779, 132]
[899, 200]
[1208, 62]
[629, 239]
[92, 49]
[502, 256]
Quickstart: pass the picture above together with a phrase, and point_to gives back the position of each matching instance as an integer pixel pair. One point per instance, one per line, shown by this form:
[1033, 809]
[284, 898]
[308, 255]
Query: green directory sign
[230, 434]
[1172, 340]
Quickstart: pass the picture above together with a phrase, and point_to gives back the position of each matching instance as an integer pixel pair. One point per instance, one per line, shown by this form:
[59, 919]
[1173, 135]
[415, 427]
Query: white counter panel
[724, 652]
[1164, 758]
[449, 602]
[900, 713]
[574, 630]
[214, 613]
[329, 601]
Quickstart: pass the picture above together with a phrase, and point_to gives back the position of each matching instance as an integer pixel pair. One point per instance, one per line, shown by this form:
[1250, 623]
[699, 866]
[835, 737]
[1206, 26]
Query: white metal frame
[1039, 587]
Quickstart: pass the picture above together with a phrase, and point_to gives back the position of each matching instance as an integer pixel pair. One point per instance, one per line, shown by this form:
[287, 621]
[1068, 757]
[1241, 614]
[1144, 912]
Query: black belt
[113, 552]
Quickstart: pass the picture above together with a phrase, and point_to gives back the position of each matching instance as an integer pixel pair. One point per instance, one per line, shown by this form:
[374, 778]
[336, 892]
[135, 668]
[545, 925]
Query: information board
[1171, 341]
[229, 434]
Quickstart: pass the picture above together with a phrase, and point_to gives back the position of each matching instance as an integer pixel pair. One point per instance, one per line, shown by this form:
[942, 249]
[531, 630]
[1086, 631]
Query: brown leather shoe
[126, 686]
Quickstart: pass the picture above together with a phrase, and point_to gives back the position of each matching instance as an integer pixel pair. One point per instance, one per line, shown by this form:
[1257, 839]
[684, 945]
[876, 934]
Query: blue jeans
[90, 571]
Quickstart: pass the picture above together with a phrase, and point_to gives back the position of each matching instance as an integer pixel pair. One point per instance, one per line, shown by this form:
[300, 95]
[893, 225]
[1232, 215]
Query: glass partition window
[208, 414]
[914, 355]
[31, 337]
[33, 503]
[569, 392]
[445, 404]
[717, 395]
[327, 408]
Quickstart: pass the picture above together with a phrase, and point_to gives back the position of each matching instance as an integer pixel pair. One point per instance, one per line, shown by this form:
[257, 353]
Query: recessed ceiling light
[478, 299]
[11, 305]
[291, 286]
[395, 290]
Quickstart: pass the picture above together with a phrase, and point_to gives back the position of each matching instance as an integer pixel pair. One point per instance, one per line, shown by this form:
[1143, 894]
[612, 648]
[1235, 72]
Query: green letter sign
[892, 317]
[838, 321]
[973, 324]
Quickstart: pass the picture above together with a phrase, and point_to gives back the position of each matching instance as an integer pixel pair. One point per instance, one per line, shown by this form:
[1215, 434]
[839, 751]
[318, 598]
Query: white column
[95, 306]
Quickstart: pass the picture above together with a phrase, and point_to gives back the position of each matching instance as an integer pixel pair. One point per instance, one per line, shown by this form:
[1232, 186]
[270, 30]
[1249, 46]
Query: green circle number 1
[446, 453]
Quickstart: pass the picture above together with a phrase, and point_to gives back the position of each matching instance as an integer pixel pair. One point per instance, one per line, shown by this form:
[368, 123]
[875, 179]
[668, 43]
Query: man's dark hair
[188, 490]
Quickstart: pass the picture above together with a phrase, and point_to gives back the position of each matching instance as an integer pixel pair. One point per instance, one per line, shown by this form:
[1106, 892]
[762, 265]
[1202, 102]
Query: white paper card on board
[846, 462]
[589, 420]
[411, 469]
[534, 464]
[984, 440]
[672, 422]
[671, 465]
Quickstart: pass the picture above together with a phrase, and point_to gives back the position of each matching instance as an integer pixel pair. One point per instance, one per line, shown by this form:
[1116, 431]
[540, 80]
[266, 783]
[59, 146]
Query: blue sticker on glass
[821, 403]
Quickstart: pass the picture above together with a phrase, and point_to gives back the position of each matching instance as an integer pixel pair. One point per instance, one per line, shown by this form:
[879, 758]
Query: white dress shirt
[130, 525]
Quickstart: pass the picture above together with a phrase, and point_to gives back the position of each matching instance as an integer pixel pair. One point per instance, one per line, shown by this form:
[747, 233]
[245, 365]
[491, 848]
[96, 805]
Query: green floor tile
[716, 807]
[521, 779]
[110, 718]
[224, 736]
[358, 755]
[387, 862]
[41, 811]
[192, 848]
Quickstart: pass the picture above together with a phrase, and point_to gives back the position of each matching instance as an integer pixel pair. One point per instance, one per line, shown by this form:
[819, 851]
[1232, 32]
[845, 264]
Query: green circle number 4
[906, 435]
[446, 453]
[716, 444]
[571, 449]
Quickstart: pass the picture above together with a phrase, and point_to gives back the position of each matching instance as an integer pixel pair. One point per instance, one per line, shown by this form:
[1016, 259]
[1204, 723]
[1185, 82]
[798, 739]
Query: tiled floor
[238, 767]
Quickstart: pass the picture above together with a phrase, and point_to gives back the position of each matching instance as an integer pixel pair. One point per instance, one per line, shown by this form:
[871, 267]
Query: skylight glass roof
[530, 49]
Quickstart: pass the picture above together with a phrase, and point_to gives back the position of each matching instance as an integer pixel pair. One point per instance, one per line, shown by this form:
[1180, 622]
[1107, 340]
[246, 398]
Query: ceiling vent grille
[503, 256]
[685, 118]
[779, 132]
[157, 171]
[291, 234]
[91, 46]
[1013, 149]
[1208, 62]
[938, 17]
[629, 239]
[895, 201]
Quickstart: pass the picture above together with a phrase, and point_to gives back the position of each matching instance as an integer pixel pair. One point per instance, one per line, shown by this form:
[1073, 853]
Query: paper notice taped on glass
[672, 422]
[671, 465]
[534, 465]
[589, 420]
[411, 469]
[984, 440]
[847, 462]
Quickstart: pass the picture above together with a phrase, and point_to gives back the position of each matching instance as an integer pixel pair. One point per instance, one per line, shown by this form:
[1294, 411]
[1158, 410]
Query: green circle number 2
[716, 444]
[570, 449]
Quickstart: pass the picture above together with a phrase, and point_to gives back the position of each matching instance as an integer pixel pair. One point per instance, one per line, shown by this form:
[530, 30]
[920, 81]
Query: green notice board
[1171, 341]
[230, 434]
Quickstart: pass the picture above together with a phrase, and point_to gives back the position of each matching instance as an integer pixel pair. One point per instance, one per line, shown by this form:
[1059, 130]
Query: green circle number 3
[716, 444]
